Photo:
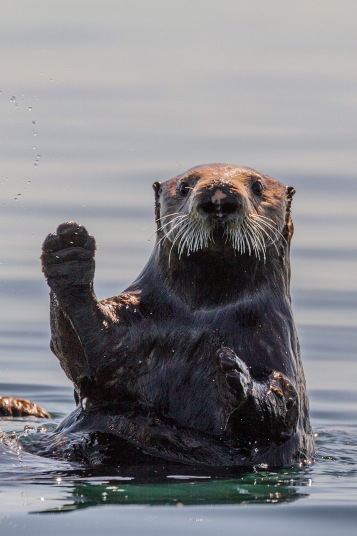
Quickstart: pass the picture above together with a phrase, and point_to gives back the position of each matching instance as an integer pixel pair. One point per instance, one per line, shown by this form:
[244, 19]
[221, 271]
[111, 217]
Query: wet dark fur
[197, 361]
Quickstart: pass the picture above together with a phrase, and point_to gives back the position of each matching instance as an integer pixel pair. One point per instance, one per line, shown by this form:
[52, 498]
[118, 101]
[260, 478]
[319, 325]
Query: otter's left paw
[234, 377]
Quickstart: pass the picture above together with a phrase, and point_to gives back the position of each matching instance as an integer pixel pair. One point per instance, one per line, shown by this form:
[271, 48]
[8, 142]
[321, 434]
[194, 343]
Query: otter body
[198, 360]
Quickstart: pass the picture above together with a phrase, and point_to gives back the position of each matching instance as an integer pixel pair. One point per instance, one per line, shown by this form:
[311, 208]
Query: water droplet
[28, 430]
[13, 99]
[34, 122]
[30, 108]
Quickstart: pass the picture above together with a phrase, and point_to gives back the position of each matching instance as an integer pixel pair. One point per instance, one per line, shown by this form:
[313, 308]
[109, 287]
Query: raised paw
[68, 256]
[234, 380]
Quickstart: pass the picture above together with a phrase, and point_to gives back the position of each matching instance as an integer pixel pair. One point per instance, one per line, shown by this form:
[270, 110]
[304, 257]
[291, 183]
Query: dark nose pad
[220, 209]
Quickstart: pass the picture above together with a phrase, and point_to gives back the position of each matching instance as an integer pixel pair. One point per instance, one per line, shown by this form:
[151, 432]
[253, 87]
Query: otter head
[220, 206]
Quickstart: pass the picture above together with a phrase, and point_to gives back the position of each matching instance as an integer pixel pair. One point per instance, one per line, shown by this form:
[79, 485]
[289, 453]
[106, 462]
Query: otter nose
[219, 205]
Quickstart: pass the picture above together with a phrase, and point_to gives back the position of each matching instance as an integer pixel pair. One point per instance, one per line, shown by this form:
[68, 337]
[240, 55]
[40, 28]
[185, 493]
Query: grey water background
[99, 100]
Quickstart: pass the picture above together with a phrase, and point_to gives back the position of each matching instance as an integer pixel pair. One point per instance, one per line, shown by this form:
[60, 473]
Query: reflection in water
[176, 490]
[71, 487]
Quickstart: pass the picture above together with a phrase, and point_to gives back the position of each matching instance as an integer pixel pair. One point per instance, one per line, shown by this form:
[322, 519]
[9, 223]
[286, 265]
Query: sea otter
[198, 360]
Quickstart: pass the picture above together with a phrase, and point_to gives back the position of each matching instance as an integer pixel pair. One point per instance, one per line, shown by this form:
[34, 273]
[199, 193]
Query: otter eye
[184, 188]
[257, 188]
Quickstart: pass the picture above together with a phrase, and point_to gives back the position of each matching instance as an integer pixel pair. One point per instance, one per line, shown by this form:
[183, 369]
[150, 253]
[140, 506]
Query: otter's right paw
[68, 257]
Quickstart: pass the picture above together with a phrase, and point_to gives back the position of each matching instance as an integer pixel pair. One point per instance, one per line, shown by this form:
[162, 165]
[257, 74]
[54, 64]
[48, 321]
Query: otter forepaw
[284, 392]
[68, 256]
[234, 376]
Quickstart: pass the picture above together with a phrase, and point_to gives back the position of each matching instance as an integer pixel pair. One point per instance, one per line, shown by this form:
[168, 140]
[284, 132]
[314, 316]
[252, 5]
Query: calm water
[99, 100]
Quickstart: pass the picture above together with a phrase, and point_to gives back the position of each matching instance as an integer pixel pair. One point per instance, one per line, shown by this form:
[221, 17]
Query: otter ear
[289, 227]
[157, 190]
[290, 192]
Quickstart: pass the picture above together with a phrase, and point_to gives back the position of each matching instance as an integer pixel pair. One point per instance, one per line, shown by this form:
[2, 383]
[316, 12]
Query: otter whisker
[178, 234]
[248, 240]
[259, 241]
[259, 235]
[242, 241]
[182, 216]
[270, 224]
[163, 226]
[257, 244]
[193, 238]
[167, 216]
[248, 236]
[266, 223]
[265, 232]
[206, 237]
[184, 238]
[177, 224]
[252, 240]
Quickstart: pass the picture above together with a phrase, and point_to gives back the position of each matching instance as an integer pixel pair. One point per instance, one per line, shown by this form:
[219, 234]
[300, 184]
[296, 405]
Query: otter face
[217, 205]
